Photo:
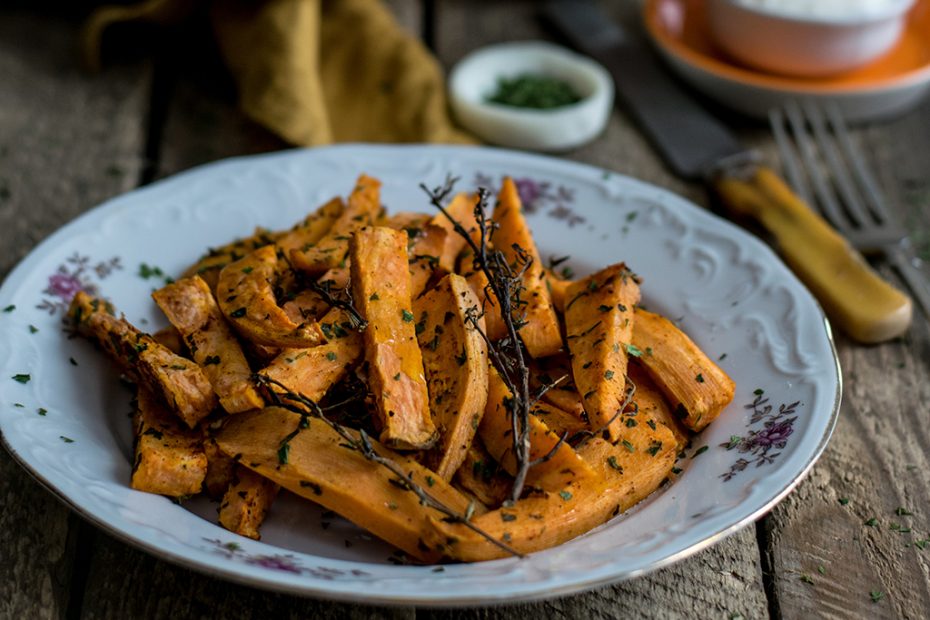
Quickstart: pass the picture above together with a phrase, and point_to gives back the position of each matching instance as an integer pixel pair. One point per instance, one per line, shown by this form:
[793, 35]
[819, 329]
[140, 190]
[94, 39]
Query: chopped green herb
[871, 522]
[844, 501]
[876, 595]
[758, 391]
[283, 452]
[722, 357]
[604, 308]
[821, 570]
[19, 405]
[33, 329]
[10, 308]
[528, 90]
[631, 422]
[374, 297]
[565, 495]
[66, 439]
[331, 356]
[612, 462]
[247, 269]
[699, 378]
[430, 481]
[654, 448]
[237, 313]
[807, 578]
[407, 316]
[922, 544]
[21, 378]
[633, 350]
[506, 516]
[700, 451]
[628, 446]
[903, 512]
[42, 411]
[609, 375]
[72, 361]
[397, 377]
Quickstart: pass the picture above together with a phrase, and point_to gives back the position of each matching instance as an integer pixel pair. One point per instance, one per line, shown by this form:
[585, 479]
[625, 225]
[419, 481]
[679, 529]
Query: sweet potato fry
[462, 209]
[482, 476]
[424, 251]
[180, 383]
[314, 227]
[319, 465]
[557, 372]
[695, 386]
[246, 502]
[210, 264]
[311, 372]
[625, 474]
[169, 459]
[245, 294]
[563, 467]
[363, 206]
[599, 328]
[455, 358]
[650, 404]
[381, 290]
[190, 307]
[494, 323]
[220, 468]
[541, 334]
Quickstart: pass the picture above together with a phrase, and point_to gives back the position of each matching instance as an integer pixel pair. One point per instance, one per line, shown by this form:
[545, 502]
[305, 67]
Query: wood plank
[879, 457]
[720, 581]
[67, 141]
[127, 583]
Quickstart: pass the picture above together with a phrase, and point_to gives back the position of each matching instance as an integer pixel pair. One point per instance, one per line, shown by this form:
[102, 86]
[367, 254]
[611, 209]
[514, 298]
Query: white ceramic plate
[64, 413]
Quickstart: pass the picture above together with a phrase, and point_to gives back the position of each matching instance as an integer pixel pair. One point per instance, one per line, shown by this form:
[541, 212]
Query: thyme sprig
[293, 401]
[342, 300]
[505, 281]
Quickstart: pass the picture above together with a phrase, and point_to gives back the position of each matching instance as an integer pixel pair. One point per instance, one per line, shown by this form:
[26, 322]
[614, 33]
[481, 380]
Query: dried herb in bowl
[530, 90]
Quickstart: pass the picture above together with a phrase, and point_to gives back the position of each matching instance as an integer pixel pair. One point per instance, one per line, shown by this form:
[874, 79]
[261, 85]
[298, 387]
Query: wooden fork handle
[856, 299]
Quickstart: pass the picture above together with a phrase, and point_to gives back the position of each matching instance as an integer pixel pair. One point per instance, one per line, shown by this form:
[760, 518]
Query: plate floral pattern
[63, 413]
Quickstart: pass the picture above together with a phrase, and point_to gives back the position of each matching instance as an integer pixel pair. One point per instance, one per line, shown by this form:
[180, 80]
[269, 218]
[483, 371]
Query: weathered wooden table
[69, 140]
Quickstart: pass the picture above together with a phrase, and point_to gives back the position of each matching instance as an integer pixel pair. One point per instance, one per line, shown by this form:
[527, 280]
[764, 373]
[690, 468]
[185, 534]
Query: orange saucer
[886, 87]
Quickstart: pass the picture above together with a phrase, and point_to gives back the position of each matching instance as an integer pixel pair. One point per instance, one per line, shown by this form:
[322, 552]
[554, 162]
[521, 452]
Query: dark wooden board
[67, 142]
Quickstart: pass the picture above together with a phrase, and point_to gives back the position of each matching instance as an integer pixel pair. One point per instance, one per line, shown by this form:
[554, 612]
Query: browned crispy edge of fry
[246, 502]
[190, 307]
[169, 459]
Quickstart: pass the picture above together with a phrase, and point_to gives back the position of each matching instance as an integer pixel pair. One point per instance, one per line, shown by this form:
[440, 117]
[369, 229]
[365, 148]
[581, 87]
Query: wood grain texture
[67, 141]
[718, 582]
[879, 457]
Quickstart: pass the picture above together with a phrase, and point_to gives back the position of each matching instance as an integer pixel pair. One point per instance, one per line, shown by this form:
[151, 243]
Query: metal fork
[816, 150]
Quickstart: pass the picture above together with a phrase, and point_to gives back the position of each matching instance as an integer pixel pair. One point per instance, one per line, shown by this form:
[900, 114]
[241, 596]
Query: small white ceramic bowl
[792, 42]
[476, 76]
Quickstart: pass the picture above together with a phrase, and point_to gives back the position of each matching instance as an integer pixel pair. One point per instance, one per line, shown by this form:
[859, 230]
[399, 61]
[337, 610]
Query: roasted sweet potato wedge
[320, 466]
[211, 264]
[180, 383]
[563, 467]
[461, 209]
[695, 386]
[625, 474]
[455, 358]
[169, 459]
[189, 305]
[309, 232]
[381, 290]
[599, 329]
[649, 404]
[245, 293]
[313, 371]
[541, 334]
[246, 502]
[331, 251]
[482, 477]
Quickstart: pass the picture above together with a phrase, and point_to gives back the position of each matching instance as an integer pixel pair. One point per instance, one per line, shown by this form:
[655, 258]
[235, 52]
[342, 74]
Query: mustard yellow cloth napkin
[315, 71]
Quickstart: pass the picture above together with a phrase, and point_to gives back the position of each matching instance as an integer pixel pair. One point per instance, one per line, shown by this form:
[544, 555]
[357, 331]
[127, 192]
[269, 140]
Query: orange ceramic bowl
[886, 87]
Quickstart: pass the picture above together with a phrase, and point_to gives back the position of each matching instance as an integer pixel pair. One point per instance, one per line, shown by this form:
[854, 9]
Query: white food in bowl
[811, 38]
[475, 78]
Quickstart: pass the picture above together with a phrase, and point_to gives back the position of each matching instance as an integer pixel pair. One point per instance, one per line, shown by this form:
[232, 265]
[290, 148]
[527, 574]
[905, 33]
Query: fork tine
[825, 198]
[789, 158]
[875, 200]
[838, 168]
